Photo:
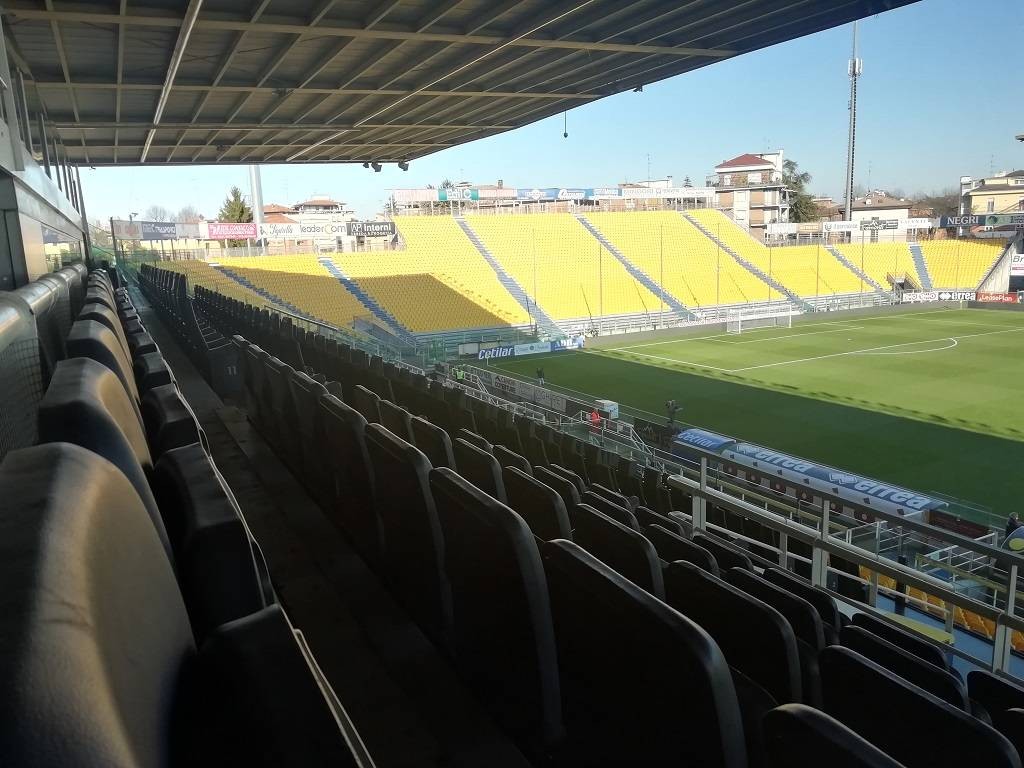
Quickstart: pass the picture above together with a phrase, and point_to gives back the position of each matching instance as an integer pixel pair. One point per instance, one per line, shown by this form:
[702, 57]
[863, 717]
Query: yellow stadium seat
[881, 260]
[439, 281]
[680, 258]
[562, 265]
[960, 263]
[806, 270]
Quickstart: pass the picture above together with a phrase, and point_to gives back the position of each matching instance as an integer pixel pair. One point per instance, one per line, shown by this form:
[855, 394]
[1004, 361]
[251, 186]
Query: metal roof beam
[184, 33]
[382, 10]
[434, 15]
[520, 41]
[81, 85]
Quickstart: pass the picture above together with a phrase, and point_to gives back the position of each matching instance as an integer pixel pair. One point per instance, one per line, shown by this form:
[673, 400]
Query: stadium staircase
[854, 268]
[545, 324]
[390, 321]
[922, 266]
[637, 273]
[803, 304]
[270, 297]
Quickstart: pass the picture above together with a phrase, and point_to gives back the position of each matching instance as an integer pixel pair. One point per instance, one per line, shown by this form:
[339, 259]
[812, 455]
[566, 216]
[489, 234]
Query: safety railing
[824, 545]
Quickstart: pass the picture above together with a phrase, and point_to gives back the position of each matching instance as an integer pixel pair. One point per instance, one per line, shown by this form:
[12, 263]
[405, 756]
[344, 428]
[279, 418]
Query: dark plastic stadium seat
[568, 474]
[727, 555]
[141, 344]
[802, 618]
[566, 488]
[108, 317]
[647, 517]
[613, 496]
[434, 442]
[903, 638]
[97, 659]
[509, 458]
[801, 614]
[1011, 724]
[344, 443]
[305, 394]
[936, 681]
[251, 359]
[215, 559]
[798, 736]
[998, 695]
[474, 439]
[86, 405]
[912, 726]
[535, 450]
[684, 520]
[280, 409]
[755, 638]
[538, 504]
[272, 705]
[94, 631]
[672, 547]
[480, 468]
[611, 509]
[91, 339]
[412, 546]
[503, 638]
[367, 403]
[396, 419]
[620, 547]
[823, 602]
[641, 683]
[21, 374]
[150, 370]
[168, 420]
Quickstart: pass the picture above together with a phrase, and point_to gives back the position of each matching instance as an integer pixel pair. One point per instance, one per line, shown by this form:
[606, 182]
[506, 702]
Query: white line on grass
[721, 336]
[917, 351]
[797, 335]
[678, 361]
[874, 349]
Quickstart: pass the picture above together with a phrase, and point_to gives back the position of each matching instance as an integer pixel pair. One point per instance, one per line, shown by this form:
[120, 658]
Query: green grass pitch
[925, 398]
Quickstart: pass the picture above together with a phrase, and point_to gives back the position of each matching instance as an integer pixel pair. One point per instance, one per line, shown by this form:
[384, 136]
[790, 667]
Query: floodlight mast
[853, 68]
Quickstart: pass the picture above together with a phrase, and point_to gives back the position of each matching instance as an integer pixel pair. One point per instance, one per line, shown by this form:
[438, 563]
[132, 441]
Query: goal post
[741, 321]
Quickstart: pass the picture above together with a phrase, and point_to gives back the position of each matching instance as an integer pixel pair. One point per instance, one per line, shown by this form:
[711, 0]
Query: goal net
[739, 321]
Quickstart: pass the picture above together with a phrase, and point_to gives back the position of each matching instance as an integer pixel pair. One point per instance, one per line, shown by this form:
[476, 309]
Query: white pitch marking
[678, 361]
[916, 351]
[872, 349]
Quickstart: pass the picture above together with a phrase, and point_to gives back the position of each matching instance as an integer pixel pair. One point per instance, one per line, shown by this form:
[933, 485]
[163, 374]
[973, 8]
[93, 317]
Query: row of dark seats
[451, 525]
[140, 626]
[210, 351]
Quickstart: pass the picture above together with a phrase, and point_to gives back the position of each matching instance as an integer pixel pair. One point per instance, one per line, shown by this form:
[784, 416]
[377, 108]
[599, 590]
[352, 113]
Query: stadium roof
[126, 82]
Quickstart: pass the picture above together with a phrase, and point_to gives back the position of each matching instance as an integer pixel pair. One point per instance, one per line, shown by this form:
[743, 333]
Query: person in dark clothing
[540, 376]
[1012, 524]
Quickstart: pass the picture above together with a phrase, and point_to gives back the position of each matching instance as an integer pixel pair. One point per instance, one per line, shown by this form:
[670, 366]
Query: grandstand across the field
[558, 273]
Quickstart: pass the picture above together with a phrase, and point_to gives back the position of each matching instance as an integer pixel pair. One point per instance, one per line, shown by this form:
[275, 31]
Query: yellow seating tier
[445, 283]
[879, 260]
[960, 263]
[807, 270]
[304, 283]
[201, 273]
[562, 265]
[680, 258]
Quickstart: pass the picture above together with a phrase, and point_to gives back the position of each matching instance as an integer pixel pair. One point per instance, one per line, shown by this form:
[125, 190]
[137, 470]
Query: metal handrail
[823, 544]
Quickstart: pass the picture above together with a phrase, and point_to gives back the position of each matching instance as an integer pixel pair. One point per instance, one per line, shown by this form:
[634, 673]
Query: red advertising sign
[224, 230]
[997, 298]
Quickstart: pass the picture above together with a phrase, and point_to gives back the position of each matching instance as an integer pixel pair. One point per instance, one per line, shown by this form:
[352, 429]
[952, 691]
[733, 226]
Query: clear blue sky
[929, 112]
